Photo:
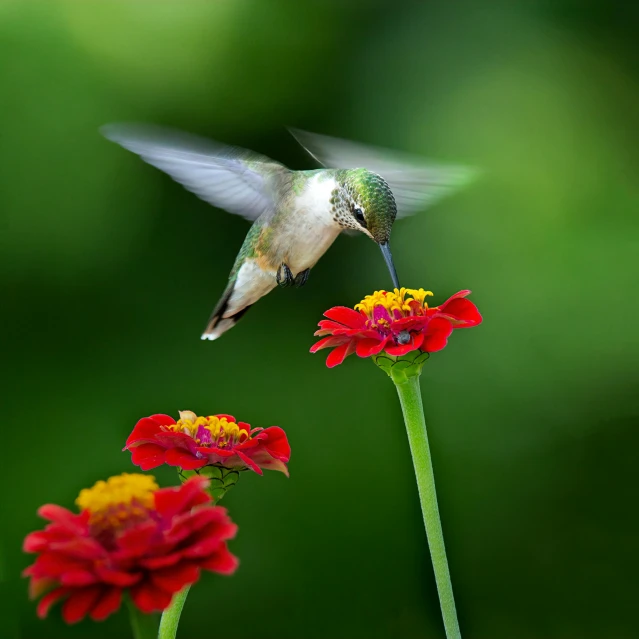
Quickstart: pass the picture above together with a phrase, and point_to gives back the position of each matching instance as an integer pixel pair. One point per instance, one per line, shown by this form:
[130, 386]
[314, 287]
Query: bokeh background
[109, 271]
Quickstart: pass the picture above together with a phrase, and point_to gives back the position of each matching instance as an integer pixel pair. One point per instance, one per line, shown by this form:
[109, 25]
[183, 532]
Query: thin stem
[143, 626]
[171, 616]
[410, 398]
[222, 479]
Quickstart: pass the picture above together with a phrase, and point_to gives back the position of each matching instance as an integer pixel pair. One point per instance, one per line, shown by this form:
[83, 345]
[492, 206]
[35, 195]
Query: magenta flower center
[384, 308]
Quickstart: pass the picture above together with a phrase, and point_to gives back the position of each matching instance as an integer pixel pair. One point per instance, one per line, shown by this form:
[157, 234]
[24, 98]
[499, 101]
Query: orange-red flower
[194, 442]
[130, 535]
[396, 322]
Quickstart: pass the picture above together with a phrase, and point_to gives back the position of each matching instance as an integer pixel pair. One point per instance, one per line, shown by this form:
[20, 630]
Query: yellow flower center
[117, 500]
[211, 430]
[394, 300]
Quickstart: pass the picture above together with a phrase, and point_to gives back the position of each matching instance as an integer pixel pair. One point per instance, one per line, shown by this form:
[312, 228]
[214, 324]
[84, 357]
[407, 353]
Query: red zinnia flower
[194, 442]
[128, 535]
[388, 321]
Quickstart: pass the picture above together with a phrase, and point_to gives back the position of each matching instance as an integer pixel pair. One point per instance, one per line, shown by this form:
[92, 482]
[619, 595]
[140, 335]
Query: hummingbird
[296, 215]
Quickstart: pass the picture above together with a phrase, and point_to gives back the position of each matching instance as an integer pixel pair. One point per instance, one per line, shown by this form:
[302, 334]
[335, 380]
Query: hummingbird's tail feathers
[219, 324]
[414, 181]
[230, 178]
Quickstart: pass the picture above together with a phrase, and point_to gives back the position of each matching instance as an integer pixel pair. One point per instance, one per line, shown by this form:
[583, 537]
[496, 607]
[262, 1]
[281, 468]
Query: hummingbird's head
[364, 202]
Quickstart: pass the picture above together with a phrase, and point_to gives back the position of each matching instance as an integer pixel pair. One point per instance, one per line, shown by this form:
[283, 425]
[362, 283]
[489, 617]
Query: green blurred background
[109, 271]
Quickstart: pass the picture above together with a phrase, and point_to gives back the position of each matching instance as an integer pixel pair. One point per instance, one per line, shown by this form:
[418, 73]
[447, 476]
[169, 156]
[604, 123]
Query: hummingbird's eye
[359, 216]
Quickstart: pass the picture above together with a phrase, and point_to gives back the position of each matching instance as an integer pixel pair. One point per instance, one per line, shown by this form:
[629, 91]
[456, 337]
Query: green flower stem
[171, 616]
[221, 480]
[410, 398]
[143, 626]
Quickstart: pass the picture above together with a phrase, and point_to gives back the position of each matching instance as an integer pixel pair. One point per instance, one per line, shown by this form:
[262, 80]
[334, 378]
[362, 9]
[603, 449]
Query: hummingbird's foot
[302, 277]
[284, 276]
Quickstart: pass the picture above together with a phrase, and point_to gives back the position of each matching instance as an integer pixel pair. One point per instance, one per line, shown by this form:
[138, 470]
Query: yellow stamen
[393, 300]
[118, 497]
[221, 430]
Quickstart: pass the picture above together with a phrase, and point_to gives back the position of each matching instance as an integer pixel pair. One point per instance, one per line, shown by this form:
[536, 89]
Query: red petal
[210, 522]
[222, 562]
[49, 599]
[328, 342]
[215, 452]
[146, 429]
[346, 316]
[78, 578]
[412, 323]
[462, 311]
[35, 541]
[79, 603]
[79, 548]
[153, 563]
[339, 332]
[175, 440]
[149, 598]
[172, 501]
[229, 418]
[416, 340]
[52, 564]
[207, 540]
[62, 516]
[53, 534]
[163, 420]
[256, 441]
[135, 540]
[174, 578]
[118, 578]
[205, 547]
[276, 443]
[329, 326]
[148, 456]
[108, 603]
[367, 347]
[183, 459]
[249, 462]
[437, 333]
[215, 516]
[337, 355]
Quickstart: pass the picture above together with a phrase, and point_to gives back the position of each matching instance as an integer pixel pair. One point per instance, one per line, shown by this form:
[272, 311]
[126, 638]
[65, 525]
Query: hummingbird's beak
[386, 252]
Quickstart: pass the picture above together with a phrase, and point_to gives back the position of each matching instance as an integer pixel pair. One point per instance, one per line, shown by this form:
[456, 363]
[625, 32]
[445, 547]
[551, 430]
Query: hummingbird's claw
[284, 276]
[302, 277]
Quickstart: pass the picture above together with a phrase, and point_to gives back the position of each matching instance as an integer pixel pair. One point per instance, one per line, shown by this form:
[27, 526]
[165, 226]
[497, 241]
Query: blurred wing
[415, 184]
[228, 177]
